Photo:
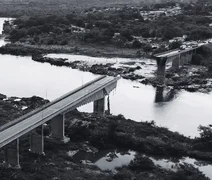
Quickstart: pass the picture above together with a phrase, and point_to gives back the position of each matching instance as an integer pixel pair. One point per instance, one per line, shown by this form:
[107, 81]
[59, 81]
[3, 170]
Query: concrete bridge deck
[92, 91]
[177, 57]
[176, 52]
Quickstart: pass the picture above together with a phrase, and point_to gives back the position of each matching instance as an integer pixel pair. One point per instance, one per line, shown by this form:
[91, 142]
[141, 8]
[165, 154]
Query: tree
[170, 33]
[136, 44]
[197, 59]
[30, 22]
[33, 31]
[205, 132]
[127, 34]
[145, 32]
[18, 34]
[175, 45]
[160, 50]
[200, 32]
[36, 39]
[147, 47]
[64, 42]
[51, 41]
[203, 20]
[103, 24]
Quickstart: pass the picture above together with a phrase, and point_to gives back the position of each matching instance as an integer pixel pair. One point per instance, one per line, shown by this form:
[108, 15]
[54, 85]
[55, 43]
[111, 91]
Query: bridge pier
[159, 94]
[12, 154]
[99, 106]
[161, 64]
[176, 63]
[186, 58]
[181, 59]
[58, 129]
[37, 141]
[190, 56]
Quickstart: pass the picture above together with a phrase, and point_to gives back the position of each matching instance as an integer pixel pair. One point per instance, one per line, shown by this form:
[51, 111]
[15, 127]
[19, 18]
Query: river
[181, 111]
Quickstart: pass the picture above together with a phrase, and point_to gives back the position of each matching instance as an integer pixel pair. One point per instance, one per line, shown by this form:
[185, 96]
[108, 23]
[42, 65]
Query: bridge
[177, 57]
[54, 112]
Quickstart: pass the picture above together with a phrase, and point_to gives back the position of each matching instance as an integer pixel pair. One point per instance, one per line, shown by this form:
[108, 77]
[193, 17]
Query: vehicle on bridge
[182, 47]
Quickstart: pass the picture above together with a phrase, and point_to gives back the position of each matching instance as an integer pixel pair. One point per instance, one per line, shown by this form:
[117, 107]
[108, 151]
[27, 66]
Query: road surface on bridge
[177, 51]
[39, 118]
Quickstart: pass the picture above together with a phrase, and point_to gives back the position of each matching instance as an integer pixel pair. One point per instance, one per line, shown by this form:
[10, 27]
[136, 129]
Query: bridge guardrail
[31, 113]
[51, 115]
[165, 52]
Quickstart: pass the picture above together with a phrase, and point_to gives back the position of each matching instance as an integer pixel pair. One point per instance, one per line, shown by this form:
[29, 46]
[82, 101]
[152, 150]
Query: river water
[181, 111]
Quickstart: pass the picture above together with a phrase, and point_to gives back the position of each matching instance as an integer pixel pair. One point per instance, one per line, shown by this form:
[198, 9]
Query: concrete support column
[176, 63]
[161, 67]
[58, 129]
[12, 154]
[159, 94]
[190, 56]
[99, 107]
[108, 104]
[186, 58]
[182, 57]
[37, 141]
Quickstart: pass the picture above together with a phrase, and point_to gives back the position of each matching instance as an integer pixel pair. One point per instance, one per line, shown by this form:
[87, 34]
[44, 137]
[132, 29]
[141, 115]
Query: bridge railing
[31, 113]
[155, 55]
[67, 107]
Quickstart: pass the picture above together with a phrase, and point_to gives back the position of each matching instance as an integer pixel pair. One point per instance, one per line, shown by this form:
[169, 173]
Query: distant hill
[15, 8]
[89, 2]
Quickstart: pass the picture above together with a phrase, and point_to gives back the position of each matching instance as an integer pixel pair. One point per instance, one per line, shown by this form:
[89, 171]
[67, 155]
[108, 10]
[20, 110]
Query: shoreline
[79, 49]
[197, 81]
[93, 133]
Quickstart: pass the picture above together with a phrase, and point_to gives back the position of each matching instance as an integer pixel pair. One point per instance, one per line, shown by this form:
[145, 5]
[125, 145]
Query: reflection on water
[165, 95]
[173, 165]
[107, 159]
[112, 159]
[121, 158]
[159, 94]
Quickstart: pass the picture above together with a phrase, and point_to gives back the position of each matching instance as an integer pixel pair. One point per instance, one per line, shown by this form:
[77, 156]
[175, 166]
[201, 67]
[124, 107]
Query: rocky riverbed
[90, 133]
[191, 77]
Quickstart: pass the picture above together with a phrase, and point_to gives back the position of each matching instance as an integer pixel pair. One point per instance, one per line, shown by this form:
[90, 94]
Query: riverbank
[91, 134]
[193, 78]
[93, 50]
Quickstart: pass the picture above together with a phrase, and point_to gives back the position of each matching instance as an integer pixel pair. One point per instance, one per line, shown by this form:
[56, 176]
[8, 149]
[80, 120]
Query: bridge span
[54, 112]
[177, 57]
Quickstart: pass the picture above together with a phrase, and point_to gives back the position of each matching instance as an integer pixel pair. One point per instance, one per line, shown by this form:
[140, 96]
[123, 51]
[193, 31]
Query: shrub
[197, 59]
[205, 132]
[147, 47]
[141, 163]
